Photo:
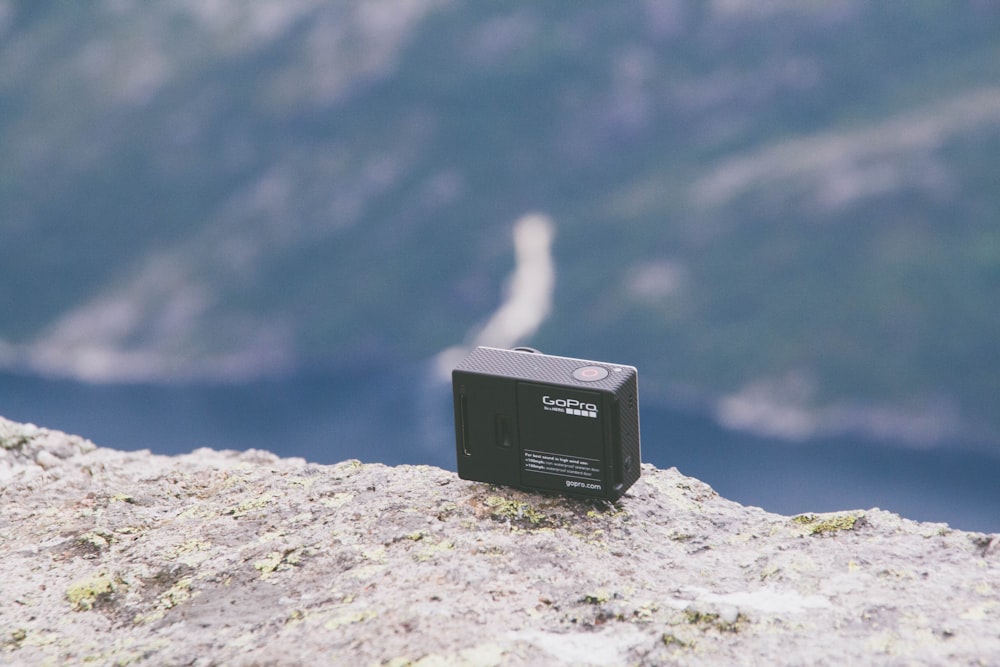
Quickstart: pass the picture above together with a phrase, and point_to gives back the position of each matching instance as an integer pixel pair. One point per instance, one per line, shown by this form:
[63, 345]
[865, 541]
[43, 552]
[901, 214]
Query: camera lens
[590, 373]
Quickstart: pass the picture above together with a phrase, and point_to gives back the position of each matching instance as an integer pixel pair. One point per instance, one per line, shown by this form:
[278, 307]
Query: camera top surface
[546, 368]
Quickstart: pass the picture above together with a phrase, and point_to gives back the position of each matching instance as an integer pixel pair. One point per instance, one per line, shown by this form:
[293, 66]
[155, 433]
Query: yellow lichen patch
[345, 469]
[269, 563]
[231, 479]
[711, 620]
[128, 651]
[253, 504]
[819, 525]
[596, 597]
[678, 536]
[191, 552]
[94, 541]
[196, 511]
[670, 639]
[644, 612]
[15, 638]
[900, 574]
[432, 551]
[348, 618]
[270, 536]
[513, 510]
[294, 557]
[175, 595]
[84, 593]
[40, 638]
[374, 554]
[607, 511]
[277, 561]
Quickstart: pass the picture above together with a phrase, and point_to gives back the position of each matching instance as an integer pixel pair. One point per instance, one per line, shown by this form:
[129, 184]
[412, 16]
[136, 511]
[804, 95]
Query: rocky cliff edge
[244, 558]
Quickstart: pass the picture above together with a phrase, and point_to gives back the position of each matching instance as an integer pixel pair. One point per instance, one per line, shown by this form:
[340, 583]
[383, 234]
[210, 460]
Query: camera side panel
[486, 438]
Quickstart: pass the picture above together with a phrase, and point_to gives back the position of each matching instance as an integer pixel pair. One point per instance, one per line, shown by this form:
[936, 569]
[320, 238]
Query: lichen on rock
[84, 593]
[820, 525]
[246, 558]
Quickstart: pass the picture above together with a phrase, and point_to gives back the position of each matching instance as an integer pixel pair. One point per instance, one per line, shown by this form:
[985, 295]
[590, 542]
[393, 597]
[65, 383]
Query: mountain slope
[783, 214]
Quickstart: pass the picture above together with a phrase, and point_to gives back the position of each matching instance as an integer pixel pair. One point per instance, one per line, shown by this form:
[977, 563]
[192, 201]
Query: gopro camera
[540, 422]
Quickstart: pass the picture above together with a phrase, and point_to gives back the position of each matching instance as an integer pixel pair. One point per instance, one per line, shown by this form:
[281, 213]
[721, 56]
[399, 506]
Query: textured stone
[244, 558]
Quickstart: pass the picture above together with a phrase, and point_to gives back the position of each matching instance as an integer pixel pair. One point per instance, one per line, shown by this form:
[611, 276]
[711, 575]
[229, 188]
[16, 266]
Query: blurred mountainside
[785, 213]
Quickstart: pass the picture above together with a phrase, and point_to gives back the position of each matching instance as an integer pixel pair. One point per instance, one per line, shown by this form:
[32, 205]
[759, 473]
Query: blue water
[404, 417]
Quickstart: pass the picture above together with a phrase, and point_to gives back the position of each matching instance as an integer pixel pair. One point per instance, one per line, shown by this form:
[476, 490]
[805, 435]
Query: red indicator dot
[590, 373]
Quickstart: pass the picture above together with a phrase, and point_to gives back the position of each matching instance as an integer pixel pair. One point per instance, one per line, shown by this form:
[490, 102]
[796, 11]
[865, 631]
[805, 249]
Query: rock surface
[209, 558]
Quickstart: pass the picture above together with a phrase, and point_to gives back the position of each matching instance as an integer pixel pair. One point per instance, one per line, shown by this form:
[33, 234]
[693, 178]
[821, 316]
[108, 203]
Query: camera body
[541, 422]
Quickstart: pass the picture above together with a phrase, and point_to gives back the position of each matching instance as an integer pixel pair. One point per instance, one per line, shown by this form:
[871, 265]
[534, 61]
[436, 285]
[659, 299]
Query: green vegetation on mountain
[743, 193]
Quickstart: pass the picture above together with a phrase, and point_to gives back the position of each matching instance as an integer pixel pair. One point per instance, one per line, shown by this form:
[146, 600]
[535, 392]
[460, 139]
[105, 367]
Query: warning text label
[561, 464]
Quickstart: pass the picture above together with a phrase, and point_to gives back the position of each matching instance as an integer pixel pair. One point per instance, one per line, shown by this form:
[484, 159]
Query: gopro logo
[570, 406]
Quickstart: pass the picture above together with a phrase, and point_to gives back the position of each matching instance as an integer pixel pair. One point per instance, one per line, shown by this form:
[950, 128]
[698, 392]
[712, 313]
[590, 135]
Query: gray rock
[244, 558]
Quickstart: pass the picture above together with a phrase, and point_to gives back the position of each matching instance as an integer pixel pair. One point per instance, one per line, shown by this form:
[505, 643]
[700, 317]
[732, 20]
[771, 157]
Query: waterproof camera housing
[547, 423]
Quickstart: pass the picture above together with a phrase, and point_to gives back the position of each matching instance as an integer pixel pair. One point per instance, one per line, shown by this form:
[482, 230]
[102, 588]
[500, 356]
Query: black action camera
[541, 422]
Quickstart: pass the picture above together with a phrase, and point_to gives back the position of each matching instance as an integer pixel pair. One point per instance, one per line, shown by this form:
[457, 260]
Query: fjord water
[405, 416]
